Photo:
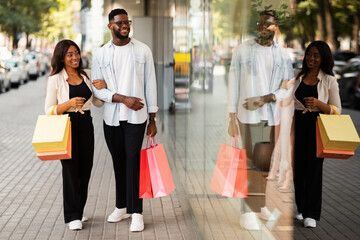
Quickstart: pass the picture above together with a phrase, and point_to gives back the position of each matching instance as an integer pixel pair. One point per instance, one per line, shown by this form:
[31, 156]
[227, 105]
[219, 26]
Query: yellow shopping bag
[51, 133]
[338, 132]
[57, 155]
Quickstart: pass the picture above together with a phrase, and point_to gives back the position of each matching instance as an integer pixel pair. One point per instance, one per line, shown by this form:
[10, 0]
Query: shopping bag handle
[336, 112]
[52, 110]
[232, 141]
[151, 141]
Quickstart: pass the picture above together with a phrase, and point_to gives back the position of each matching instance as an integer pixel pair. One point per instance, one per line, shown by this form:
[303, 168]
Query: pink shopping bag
[145, 190]
[230, 174]
[161, 178]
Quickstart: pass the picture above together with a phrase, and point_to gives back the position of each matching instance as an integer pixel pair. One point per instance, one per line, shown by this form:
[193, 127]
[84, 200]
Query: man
[127, 67]
[258, 68]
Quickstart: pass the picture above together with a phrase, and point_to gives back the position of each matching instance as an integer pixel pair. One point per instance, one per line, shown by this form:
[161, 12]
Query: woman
[315, 90]
[69, 92]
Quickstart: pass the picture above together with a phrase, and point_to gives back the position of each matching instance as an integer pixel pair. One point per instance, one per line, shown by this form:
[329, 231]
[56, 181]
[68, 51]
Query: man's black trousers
[124, 143]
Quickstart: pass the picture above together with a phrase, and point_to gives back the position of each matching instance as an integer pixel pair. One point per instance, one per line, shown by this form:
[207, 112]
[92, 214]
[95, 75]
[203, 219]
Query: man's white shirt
[143, 82]
[249, 77]
[123, 69]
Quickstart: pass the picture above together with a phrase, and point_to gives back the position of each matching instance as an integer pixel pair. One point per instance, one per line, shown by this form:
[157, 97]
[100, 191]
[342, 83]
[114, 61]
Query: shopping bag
[145, 190]
[51, 133]
[161, 178]
[230, 174]
[338, 132]
[57, 155]
[329, 153]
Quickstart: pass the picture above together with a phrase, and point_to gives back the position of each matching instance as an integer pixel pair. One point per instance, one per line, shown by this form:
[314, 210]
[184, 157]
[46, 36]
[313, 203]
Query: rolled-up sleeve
[334, 96]
[234, 84]
[104, 94]
[51, 96]
[150, 84]
[287, 74]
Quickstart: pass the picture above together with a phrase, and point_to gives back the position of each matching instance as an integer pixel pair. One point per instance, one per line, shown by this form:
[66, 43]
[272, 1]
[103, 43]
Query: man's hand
[253, 103]
[99, 84]
[151, 129]
[233, 129]
[133, 103]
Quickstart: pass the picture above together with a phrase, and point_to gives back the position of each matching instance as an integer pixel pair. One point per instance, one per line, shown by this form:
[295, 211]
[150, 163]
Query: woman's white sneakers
[309, 223]
[84, 219]
[137, 223]
[75, 225]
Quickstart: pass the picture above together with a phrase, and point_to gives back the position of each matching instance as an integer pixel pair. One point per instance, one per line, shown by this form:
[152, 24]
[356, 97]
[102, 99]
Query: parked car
[32, 62]
[16, 68]
[338, 66]
[85, 61]
[343, 55]
[43, 63]
[5, 83]
[347, 78]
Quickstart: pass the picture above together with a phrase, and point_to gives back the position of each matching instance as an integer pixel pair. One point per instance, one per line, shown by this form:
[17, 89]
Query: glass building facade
[221, 190]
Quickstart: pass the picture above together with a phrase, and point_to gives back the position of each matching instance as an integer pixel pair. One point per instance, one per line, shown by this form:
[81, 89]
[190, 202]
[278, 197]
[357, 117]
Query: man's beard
[267, 37]
[118, 35]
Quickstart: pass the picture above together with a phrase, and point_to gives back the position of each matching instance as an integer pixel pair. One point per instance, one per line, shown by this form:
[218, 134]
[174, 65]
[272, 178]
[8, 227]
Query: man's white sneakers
[309, 223]
[299, 216]
[137, 223]
[117, 215]
[265, 214]
[75, 225]
[249, 221]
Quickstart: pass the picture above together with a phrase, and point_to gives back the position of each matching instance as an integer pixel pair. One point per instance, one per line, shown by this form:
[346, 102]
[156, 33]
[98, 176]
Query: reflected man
[258, 67]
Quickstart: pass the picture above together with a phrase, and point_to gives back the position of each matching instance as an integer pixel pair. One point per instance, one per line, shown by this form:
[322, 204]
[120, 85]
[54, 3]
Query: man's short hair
[272, 13]
[115, 12]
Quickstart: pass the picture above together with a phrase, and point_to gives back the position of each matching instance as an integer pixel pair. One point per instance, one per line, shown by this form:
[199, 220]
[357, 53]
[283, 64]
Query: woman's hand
[77, 102]
[311, 102]
[99, 84]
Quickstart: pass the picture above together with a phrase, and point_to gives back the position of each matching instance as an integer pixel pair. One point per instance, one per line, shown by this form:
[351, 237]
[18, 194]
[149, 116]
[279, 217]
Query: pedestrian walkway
[31, 190]
[198, 135]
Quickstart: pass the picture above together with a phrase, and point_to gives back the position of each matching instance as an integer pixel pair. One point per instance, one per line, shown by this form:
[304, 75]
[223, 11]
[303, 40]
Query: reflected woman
[315, 90]
[69, 92]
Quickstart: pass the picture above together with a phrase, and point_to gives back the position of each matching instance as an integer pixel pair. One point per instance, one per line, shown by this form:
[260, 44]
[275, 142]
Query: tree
[18, 16]
[58, 24]
[330, 30]
[306, 12]
[347, 14]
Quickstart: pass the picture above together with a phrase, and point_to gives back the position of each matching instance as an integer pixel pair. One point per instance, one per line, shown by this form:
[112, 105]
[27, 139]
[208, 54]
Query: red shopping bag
[230, 174]
[329, 153]
[161, 178]
[57, 155]
[145, 190]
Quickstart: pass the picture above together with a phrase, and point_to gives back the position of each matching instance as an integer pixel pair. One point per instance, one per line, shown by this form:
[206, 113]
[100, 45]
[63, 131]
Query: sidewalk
[31, 190]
